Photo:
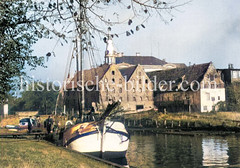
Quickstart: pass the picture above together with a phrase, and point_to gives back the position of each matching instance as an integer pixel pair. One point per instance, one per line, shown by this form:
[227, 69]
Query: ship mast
[80, 54]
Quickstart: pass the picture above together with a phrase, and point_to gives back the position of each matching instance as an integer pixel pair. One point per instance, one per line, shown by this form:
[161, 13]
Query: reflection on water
[215, 152]
[149, 150]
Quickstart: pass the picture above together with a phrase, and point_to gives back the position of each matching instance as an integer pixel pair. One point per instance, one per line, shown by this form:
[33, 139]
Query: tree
[39, 97]
[88, 18]
[233, 97]
[19, 30]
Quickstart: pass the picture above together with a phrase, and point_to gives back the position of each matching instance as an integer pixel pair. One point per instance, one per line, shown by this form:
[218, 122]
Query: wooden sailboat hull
[87, 138]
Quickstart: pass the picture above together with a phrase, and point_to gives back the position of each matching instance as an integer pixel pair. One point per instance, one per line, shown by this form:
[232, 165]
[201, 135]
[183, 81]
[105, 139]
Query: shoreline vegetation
[188, 122]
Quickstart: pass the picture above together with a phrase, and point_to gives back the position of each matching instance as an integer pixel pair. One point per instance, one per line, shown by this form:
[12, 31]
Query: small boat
[108, 139]
[103, 138]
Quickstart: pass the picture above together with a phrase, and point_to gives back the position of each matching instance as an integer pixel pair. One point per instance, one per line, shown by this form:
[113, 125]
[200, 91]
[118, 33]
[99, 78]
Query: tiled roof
[127, 71]
[189, 74]
[90, 75]
[142, 60]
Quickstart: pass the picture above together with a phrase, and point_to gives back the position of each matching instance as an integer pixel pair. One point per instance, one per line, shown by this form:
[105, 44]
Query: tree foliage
[233, 97]
[19, 30]
[35, 98]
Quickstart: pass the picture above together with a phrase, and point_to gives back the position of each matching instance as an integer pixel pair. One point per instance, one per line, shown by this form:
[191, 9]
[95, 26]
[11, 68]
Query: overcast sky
[203, 31]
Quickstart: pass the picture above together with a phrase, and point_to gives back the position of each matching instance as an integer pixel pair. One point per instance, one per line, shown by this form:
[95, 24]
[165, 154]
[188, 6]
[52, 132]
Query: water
[150, 150]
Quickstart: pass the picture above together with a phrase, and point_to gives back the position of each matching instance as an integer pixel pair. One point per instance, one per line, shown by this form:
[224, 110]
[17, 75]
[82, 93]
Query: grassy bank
[227, 119]
[30, 153]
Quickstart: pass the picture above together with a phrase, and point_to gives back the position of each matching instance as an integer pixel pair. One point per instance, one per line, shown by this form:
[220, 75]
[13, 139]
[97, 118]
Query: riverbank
[220, 121]
[31, 153]
[217, 121]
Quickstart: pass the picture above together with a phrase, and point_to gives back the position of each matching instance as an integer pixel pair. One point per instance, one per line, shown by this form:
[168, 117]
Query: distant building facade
[230, 75]
[196, 88]
[107, 83]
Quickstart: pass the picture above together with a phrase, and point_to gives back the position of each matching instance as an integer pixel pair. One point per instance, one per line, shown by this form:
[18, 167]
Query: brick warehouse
[107, 83]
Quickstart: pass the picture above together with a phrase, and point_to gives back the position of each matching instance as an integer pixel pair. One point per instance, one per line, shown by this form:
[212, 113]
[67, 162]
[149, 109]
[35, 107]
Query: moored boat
[105, 139]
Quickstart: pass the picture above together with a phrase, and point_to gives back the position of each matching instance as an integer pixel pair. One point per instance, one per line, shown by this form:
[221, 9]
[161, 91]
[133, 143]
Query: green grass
[31, 153]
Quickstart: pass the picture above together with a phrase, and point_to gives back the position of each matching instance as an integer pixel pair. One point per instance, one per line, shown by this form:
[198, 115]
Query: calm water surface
[150, 150]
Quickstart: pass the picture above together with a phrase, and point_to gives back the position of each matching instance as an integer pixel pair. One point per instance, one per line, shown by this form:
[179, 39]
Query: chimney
[137, 53]
[230, 66]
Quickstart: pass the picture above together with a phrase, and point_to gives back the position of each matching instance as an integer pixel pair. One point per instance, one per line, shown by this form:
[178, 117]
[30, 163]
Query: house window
[146, 81]
[211, 77]
[120, 90]
[219, 98]
[234, 74]
[113, 72]
[133, 90]
[212, 86]
[139, 74]
[120, 81]
[204, 108]
[213, 98]
[120, 99]
[140, 90]
[113, 80]
[140, 81]
[134, 99]
[140, 98]
[113, 90]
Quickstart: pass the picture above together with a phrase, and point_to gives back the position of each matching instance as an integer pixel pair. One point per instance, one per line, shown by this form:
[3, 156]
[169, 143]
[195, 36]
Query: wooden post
[156, 121]
[179, 123]
[165, 123]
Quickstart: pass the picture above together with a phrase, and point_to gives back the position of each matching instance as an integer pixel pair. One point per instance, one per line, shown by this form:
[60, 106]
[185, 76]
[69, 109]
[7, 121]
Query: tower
[110, 53]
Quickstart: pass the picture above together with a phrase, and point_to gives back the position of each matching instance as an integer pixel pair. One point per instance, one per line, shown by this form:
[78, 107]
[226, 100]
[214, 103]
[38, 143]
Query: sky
[201, 31]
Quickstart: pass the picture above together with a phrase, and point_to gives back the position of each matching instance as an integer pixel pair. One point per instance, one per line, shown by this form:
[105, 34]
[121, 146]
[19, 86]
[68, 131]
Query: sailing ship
[103, 138]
